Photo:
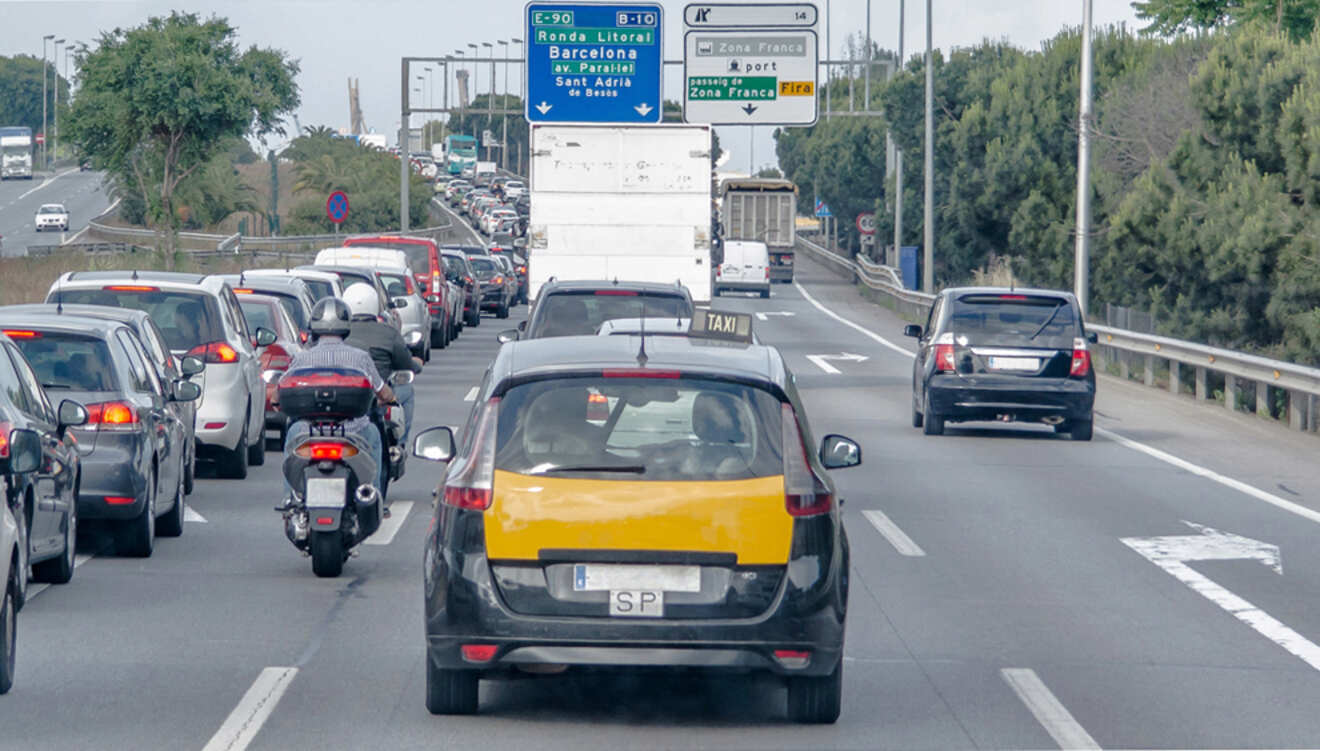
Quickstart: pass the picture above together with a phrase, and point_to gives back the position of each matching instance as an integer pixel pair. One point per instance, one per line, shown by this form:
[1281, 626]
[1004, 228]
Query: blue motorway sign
[594, 63]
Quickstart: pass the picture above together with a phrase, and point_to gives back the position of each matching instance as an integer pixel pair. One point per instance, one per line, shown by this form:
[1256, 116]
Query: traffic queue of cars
[117, 385]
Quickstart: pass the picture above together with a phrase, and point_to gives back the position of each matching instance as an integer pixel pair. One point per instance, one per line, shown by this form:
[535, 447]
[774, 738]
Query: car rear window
[484, 267]
[258, 313]
[419, 256]
[395, 284]
[454, 265]
[648, 429]
[320, 288]
[70, 362]
[582, 313]
[185, 319]
[1014, 319]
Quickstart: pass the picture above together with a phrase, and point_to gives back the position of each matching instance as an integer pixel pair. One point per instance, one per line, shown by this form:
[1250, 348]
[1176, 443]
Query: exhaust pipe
[1052, 420]
[367, 495]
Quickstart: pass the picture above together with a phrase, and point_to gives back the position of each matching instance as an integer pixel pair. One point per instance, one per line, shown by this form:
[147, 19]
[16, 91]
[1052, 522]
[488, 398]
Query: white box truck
[615, 202]
[16, 152]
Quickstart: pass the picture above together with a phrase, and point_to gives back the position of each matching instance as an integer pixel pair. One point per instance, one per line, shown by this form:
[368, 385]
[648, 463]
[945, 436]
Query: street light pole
[866, 91]
[490, 98]
[504, 105]
[44, 98]
[928, 272]
[898, 152]
[425, 105]
[404, 176]
[1082, 252]
[56, 62]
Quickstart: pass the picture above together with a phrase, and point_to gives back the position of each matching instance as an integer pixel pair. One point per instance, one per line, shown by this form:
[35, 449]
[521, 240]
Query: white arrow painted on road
[643, 108]
[766, 316]
[543, 107]
[1172, 554]
[821, 363]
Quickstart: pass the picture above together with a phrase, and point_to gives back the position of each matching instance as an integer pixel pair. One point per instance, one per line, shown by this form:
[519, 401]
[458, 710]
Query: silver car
[414, 316]
[198, 316]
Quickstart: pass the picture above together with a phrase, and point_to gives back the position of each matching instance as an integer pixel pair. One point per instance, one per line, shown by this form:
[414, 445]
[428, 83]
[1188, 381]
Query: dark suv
[578, 308]
[1011, 355]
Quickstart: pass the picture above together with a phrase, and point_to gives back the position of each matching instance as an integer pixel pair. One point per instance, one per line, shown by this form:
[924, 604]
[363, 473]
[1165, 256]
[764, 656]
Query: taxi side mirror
[912, 330]
[434, 444]
[838, 452]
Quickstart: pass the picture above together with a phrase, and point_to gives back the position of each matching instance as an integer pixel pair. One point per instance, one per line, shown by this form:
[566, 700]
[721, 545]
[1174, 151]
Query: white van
[746, 268]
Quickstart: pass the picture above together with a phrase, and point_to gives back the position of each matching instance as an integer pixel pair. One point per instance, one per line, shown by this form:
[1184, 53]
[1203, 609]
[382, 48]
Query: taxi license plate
[636, 591]
[1014, 363]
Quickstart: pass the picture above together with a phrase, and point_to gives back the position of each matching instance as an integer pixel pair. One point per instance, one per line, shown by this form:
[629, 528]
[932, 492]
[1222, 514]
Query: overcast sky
[336, 39]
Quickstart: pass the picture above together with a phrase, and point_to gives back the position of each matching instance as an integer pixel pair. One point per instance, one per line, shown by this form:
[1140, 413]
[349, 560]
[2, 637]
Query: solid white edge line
[471, 395]
[1282, 503]
[240, 728]
[80, 232]
[78, 560]
[390, 527]
[896, 537]
[1047, 709]
[1209, 474]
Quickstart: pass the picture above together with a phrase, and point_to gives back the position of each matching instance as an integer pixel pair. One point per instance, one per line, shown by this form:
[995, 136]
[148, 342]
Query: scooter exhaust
[367, 495]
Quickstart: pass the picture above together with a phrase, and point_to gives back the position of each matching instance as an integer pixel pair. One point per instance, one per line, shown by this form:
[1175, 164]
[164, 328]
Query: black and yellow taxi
[631, 503]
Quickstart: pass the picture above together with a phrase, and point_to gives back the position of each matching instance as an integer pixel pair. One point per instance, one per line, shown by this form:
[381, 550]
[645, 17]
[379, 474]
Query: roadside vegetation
[1207, 168]
[25, 280]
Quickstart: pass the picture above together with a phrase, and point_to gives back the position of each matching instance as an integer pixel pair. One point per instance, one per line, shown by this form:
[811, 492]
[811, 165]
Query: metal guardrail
[1300, 384]
[39, 251]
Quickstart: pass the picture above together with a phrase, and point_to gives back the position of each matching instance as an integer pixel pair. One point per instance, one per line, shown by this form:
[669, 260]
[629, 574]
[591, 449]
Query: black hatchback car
[133, 446]
[1009, 355]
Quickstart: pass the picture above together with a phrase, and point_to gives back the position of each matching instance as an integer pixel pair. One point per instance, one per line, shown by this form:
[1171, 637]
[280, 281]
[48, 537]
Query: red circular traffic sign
[866, 223]
[336, 207]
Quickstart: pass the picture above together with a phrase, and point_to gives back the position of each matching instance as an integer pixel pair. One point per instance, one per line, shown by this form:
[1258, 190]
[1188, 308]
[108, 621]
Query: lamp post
[521, 77]
[425, 105]
[1082, 251]
[898, 153]
[44, 98]
[928, 272]
[56, 64]
[504, 105]
[490, 98]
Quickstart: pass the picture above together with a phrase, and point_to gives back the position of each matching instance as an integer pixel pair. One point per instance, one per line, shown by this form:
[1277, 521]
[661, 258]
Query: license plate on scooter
[326, 492]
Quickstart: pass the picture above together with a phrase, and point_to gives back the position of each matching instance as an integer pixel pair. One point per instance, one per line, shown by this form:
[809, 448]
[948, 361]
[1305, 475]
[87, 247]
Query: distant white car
[513, 189]
[52, 216]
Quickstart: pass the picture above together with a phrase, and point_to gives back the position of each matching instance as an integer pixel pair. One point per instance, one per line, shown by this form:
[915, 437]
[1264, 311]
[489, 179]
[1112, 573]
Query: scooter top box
[325, 394]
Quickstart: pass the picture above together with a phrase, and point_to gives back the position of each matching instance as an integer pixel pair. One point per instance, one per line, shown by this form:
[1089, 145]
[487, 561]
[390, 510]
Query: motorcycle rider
[384, 343]
[330, 324]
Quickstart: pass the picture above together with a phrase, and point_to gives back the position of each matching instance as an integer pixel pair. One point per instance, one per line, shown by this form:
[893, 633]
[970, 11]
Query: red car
[443, 300]
[265, 310]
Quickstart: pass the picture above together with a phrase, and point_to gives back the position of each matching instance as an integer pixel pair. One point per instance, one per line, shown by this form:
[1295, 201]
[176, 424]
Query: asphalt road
[82, 193]
[995, 603]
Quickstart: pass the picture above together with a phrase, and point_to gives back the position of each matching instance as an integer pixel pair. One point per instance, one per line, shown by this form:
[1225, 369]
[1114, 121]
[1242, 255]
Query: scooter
[334, 505]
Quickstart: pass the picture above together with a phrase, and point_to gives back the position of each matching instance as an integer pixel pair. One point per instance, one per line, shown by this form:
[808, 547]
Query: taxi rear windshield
[69, 362]
[1014, 319]
[185, 319]
[640, 429]
[320, 288]
[581, 314]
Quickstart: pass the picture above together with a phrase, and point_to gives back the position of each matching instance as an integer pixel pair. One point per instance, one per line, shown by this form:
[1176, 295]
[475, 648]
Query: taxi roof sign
[721, 324]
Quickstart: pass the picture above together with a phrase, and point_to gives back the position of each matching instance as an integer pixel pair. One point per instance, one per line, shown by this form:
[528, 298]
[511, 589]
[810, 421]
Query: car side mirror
[912, 330]
[265, 337]
[504, 337]
[522, 326]
[186, 391]
[424, 287]
[838, 452]
[399, 303]
[434, 444]
[24, 452]
[191, 366]
[1092, 337]
[71, 414]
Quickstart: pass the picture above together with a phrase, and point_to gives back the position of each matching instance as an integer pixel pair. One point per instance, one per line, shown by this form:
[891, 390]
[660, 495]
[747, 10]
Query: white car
[52, 216]
[514, 189]
[491, 219]
[321, 283]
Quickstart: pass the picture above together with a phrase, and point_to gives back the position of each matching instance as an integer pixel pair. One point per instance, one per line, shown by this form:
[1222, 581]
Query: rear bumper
[223, 406]
[988, 397]
[114, 468]
[743, 286]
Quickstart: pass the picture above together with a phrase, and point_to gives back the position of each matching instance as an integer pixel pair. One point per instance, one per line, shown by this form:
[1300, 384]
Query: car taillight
[22, 334]
[468, 281]
[408, 286]
[767, 272]
[303, 336]
[804, 493]
[129, 288]
[112, 416]
[4, 439]
[215, 352]
[522, 269]
[479, 652]
[472, 480]
[277, 358]
[944, 359]
[498, 280]
[1081, 359]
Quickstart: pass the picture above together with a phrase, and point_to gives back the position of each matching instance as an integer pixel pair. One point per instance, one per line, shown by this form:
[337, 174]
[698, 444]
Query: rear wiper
[1048, 321]
[630, 469]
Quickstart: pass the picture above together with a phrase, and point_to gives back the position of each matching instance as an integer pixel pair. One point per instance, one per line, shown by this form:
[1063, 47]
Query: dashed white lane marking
[896, 537]
[390, 527]
[240, 728]
[1048, 710]
[46, 182]
[189, 515]
[37, 589]
[1305, 512]
[471, 395]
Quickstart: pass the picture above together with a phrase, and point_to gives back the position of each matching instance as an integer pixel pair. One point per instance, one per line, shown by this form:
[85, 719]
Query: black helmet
[330, 317]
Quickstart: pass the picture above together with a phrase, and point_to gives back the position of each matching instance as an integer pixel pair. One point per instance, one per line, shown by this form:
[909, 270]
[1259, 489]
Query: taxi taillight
[472, 483]
[804, 493]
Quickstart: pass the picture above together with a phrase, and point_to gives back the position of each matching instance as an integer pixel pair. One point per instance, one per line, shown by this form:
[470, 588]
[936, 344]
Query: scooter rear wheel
[327, 554]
